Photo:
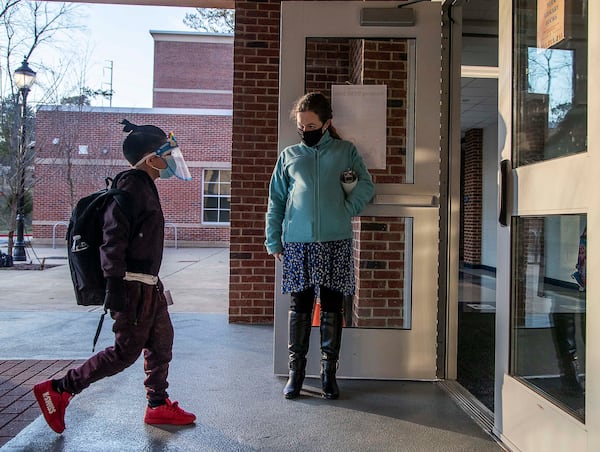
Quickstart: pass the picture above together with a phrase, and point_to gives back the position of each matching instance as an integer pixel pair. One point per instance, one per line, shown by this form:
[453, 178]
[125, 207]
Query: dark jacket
[135, 246]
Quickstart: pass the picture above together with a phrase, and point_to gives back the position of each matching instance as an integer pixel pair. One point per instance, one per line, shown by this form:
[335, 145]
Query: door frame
[416, 360]
[524, 419]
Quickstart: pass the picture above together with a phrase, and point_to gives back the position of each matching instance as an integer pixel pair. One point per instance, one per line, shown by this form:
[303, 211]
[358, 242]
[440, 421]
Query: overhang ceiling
[479, 95]
[479, 103]
[224, 4]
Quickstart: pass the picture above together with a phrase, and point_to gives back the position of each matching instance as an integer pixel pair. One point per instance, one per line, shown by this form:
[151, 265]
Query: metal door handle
[407, 200]
[505, 192]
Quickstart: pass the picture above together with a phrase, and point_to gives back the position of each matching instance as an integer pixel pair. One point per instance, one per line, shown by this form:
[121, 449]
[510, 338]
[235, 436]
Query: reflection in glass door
[549, 305]
[476, 309]
[551, 196]
[477, 272]
[548, 252]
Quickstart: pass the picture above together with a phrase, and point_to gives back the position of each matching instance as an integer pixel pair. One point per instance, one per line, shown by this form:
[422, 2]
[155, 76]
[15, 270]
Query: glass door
[476, 310]
[391, 322]
[548, 197]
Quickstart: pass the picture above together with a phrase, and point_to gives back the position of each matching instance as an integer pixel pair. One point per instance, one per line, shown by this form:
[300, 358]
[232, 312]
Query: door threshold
[476, 410]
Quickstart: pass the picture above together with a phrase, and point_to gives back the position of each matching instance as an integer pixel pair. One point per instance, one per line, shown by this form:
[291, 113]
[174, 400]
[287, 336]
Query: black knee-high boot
[566, 348]
[299, 334]
[331, 339]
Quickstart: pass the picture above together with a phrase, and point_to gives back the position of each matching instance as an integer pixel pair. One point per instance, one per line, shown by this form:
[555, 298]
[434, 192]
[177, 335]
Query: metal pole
[19, 246]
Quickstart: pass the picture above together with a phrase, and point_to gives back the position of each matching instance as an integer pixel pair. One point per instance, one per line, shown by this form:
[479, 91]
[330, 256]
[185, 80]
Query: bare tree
[545, 68]
[214, 20]
[25, 27]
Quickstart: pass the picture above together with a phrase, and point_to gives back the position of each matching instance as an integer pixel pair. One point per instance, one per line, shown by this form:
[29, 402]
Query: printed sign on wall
[550, 23]
[359, 115]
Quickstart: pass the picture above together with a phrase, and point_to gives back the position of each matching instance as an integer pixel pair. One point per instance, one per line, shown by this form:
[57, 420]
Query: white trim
[82, 162]
[479, 71]
[192, 36]
[193, 91]
[178, 225]
[199, 225]
[532, 423]
[209, 165]
[203, 196]
[503, 258]
[140, 111]
[123, 162]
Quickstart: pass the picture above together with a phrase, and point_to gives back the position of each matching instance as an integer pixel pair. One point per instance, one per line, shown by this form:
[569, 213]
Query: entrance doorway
[479, 167]
[391, 322]
[477, 266]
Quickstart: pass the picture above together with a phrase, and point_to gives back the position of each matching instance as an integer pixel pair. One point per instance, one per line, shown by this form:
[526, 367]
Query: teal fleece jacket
[306, 200]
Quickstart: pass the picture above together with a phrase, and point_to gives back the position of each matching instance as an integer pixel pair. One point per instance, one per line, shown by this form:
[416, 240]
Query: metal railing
[65, 223]
[172, 225]
[58, 223]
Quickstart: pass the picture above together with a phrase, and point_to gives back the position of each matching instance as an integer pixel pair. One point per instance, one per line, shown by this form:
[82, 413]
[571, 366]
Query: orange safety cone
[316, 320]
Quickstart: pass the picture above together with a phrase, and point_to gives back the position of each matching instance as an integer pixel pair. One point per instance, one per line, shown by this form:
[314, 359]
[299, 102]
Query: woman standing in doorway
[316, 188]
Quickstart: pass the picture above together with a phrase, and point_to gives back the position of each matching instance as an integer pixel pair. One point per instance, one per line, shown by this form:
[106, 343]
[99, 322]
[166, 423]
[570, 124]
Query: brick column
[254, 153]
[472, 196]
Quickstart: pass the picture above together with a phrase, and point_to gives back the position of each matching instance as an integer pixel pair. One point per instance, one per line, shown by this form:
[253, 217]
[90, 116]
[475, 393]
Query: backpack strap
[123, 199]
[99, 328]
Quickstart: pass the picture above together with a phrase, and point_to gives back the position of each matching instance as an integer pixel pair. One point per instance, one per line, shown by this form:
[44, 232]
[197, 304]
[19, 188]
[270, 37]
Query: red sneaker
[53, 404]
[169, 413]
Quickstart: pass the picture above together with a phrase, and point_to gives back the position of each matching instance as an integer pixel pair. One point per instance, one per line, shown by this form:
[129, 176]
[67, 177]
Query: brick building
[78, 146]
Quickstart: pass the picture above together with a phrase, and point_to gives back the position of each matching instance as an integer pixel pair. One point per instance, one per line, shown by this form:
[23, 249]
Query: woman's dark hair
[142, 140]
[318, 104]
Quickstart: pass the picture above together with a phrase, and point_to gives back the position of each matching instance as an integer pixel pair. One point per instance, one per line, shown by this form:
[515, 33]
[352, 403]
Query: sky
[119, 34]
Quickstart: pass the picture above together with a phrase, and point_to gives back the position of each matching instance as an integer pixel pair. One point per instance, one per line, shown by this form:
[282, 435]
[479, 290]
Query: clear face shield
[173, 157]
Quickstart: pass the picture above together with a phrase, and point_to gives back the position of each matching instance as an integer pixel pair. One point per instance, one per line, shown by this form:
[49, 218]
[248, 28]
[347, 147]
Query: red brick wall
[379, 251]
[191, 100]
[472, 196]
[254, 153]
[196, 63]
[385, 62]
[204, 139]
[327, 63]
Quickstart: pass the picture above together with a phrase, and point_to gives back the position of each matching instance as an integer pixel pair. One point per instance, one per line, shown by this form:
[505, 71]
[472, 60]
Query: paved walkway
[18, 407]
[223, 372]
[25, 292]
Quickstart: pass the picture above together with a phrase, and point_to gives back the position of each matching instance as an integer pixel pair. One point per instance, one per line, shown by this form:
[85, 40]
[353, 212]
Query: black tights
[331, 300]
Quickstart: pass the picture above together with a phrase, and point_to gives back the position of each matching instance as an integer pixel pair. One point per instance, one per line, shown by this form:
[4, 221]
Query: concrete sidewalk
[197, 277]
[223, 372]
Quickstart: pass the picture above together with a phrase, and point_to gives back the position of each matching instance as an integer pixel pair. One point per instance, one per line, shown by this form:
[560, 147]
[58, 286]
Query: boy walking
[134, 293]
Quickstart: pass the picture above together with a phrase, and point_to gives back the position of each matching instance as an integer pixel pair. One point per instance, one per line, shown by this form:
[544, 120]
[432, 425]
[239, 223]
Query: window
[549, 307]
[216, 196]
[550, 78]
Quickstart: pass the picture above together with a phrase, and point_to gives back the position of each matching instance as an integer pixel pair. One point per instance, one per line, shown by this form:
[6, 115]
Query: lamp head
[24, 76]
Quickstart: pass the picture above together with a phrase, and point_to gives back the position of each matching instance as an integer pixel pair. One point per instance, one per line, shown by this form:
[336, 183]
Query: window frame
[218, 196]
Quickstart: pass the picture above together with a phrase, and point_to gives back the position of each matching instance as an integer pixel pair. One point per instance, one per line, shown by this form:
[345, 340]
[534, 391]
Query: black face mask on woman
[310, 137]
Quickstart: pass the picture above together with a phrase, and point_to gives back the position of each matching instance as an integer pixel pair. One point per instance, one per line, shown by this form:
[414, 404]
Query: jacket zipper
[317, 191]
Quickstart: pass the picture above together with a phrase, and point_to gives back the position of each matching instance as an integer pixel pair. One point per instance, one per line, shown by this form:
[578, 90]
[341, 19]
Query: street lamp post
[24, 77]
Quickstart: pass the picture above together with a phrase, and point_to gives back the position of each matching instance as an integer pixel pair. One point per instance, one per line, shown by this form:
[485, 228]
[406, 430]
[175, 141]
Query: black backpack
[84, 237]
[6, 260]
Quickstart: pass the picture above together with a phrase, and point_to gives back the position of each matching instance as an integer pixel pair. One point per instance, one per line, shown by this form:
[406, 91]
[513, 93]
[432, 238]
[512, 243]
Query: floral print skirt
[315, 264]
